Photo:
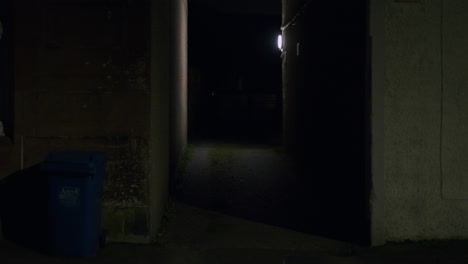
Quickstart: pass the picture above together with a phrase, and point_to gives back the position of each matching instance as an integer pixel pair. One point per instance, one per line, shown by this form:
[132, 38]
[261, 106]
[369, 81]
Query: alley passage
[256, 182]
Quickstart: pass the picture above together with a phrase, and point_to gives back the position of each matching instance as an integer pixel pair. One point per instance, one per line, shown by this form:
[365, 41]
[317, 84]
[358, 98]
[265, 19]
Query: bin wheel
[104, 239]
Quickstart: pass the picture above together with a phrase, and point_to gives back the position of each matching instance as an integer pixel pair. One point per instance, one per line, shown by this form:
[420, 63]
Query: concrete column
[159, 111]
[178, 80]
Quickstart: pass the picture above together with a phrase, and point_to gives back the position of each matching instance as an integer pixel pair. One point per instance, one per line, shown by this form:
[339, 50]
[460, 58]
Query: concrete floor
[255, 182]
[194, 235]
[236, 184]
[260, 183]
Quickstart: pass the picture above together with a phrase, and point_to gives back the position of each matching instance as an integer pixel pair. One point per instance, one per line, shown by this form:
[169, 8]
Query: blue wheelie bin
[75, 195]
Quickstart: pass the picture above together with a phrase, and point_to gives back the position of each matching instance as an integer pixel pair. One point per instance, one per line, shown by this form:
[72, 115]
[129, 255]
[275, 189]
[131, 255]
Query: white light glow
[280, 42]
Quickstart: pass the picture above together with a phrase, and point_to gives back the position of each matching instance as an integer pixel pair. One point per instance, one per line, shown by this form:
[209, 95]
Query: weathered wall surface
[376, 59]
[455, 100]
[425, 146]
[82, 83]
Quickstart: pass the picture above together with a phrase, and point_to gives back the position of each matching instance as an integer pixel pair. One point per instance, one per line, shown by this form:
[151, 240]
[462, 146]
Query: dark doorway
[6, 67]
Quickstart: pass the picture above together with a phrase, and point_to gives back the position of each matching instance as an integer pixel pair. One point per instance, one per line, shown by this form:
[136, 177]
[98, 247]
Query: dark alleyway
[364, 96]
[259, 182]
[256, 182]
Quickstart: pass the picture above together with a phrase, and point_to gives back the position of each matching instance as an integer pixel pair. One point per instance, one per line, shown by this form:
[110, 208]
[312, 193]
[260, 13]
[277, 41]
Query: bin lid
[77, 162]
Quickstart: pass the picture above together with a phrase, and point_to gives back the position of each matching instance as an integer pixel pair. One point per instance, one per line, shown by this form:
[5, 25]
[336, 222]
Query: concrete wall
[376, 59]
[89, 76]
[425, 146]
[82, 83]
[419, 98]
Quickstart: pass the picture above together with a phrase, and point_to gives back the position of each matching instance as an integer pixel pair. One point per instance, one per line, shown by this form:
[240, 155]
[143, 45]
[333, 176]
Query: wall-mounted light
[280, 42]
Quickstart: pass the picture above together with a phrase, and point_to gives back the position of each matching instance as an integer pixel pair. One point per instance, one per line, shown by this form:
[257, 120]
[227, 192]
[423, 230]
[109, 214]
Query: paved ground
[260, 183]
[250, 181]
[230, 180]
[201, 236]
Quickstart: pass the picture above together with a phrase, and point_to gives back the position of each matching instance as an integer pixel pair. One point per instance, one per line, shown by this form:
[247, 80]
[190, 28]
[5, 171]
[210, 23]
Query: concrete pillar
[159, 111]
[178, 80]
